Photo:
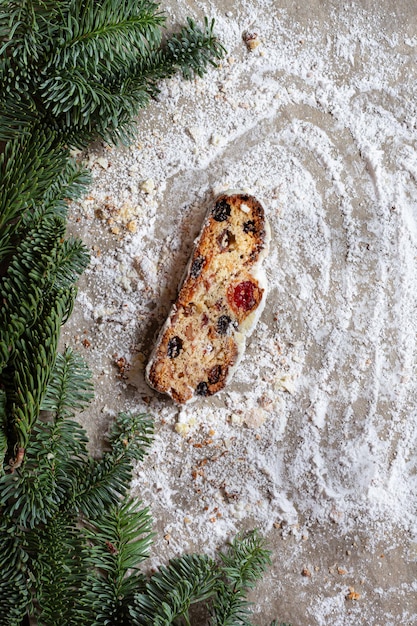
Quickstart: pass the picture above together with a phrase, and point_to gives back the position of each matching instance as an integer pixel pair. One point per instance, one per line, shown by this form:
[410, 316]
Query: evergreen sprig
[116, 545]
[170, 592]
[36, 172]
[242, 566]
[85, 69]
[63, 521]
[15, 593]
[70, 387]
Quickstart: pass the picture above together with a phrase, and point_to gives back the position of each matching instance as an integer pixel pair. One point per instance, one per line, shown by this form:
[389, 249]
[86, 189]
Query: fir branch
[193, 49]
[58, 567]
[69, 388]
[118, 542]
[29, 375]
[72, 65]
[190, 52]
[71, 260]
[243, 564]
[131, 435]
[173, 589]
[53, 466]
[25, 25]
[102, 485]
[71, 184]
[3, 428]
[23, 288]
[110, 32]
[36, 172]
[18, 116]
[108, 478]
[29, 166]
[246, 560]
[42, 264]
[15, 594]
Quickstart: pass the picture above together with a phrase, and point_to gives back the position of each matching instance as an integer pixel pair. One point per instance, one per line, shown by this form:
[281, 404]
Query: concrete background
[361, 569]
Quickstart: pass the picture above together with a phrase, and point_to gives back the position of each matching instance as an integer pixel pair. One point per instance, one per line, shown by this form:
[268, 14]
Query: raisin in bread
[221, 297]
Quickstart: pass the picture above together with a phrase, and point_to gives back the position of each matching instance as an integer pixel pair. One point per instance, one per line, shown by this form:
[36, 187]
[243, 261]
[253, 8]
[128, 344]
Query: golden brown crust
[199, 344]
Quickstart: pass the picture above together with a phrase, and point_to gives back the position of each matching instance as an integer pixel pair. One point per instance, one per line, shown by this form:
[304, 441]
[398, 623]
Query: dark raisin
[174, 347]
[223, 324]
[249, 227]
[202, 389]
[214, 374]
[197, 266]
[221, 211]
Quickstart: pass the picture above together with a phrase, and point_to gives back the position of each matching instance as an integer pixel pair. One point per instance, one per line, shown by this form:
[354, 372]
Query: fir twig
[15, 595]
[243, 565]
[86, 68]
[118, 543]
[70, 388]
[170, 592]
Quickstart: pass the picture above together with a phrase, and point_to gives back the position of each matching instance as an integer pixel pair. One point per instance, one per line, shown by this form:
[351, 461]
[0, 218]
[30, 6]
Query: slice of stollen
[219, 302]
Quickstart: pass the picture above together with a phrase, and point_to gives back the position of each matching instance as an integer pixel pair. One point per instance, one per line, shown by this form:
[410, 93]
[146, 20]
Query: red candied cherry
[243, 295]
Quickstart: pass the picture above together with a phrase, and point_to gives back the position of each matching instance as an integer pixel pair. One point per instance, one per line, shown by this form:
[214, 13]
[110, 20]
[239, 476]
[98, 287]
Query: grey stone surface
[314, 442]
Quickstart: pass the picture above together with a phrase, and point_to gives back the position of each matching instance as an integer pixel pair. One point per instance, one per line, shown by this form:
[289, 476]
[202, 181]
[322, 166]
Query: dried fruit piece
[202, 389]
[189, 309]
[249, 227]
[223, 324]
[174, 347]
[221, 211]
[197, 266]
[214, 374]
[225, 240]
[243, 295]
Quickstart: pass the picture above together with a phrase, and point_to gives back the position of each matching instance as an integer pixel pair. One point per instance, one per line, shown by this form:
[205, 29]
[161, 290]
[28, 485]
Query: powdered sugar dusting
[318, 430]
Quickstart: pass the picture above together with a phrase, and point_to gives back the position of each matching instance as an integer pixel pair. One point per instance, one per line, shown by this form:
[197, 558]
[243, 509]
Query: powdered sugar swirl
[319, 425]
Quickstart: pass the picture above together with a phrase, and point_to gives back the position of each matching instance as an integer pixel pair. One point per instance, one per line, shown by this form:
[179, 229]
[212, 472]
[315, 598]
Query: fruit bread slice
[219, 302]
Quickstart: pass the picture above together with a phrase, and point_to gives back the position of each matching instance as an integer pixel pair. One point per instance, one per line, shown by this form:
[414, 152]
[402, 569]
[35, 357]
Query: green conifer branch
[18, 116]
[3, 427]
[58, 567]
[110, 32]
[15, 594]
[117, 544]
[71, 65]
[70, 387]
[193, 49]
[36, 173]
[131, 436]
[29, 166]
[169, 593]
[42, 264]
[242, 566]
[27, 376]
